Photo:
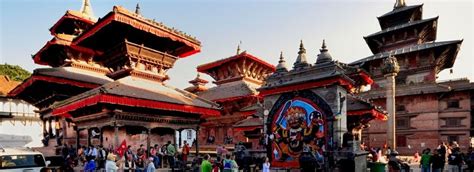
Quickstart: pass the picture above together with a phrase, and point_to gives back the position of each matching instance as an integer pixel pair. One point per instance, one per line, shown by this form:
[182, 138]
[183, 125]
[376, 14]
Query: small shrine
[237, 79]
[312, 108]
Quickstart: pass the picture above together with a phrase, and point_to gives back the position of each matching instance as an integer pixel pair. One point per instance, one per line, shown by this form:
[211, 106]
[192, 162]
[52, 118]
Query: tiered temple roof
[411, 40]
[199, 85]
[236, 77]
[73, 70]
[138, 67]
[56, 84]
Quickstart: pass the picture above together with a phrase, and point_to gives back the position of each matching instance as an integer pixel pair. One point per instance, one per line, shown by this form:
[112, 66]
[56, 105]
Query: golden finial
[399, 4]
[86, 9]
[238, 47]
[137, 9]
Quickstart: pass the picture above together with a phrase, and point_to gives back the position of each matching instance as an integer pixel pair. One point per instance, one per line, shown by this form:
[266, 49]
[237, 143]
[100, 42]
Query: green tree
[14, 72]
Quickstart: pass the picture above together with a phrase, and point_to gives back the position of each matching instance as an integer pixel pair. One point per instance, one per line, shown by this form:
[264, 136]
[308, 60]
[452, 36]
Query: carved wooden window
[453, 103]
[403, 123]
[453, 122]
[401, 140]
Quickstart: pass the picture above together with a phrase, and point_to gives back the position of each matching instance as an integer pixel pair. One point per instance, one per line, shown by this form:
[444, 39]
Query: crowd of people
[226, 164]
[98, 158]
[443, 157]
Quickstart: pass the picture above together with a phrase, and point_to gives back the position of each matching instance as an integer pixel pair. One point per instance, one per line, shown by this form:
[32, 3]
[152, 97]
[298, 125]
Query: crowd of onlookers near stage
[443, 157]
[125, 158]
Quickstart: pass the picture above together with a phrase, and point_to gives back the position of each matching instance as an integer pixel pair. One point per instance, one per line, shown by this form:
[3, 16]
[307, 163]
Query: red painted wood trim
[247, 128]
[134, 102]
[338, 80]
[375, 113]
[20, 88]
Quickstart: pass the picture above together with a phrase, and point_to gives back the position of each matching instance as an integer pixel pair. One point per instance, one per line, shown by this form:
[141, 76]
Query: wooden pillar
[77, 139]
[101, 136]
[88, 137]
[179, 137]
[197, 141]
[44, 127]
[50, 128]
[56, 129]
[116, 139]
[148, 132]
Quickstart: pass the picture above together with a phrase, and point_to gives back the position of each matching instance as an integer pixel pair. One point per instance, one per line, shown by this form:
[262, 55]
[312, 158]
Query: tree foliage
[14, 72]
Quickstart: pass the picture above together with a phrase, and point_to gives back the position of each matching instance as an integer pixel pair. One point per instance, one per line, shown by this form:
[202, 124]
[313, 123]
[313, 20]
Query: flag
[122, 148]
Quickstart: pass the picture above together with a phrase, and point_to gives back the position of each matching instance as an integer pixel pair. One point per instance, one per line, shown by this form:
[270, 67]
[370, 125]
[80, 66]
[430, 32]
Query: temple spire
[281, 67]
[238, 47]
[399, 4]
[86, 9]
[324, 55]
[301, 59]
[137, 9]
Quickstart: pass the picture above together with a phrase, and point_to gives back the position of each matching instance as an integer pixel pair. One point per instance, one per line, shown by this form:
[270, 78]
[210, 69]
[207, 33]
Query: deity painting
[298, 125]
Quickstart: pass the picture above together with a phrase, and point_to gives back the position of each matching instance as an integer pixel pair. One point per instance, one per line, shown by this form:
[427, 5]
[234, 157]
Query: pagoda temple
[105, 85]
[428, 112]
[237, 79]
[72, 71]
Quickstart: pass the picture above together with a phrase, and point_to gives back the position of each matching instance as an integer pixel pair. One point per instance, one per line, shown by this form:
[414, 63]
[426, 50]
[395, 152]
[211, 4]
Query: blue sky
[265, 28]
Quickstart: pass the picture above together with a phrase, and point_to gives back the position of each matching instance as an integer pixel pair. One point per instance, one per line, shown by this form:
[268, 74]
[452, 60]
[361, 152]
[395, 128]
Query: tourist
[129, 164]
[469, 159]
[101, 157]
[218, 164]
[454, 160]
[129, 152]
[92, 152]
[437, 161]
[206, 166]
[110, 165]
[227, 163]
[442, 152]
[90, 165]
[266, 165]
[69, 164]
[141, 152]
[171, 150]
[81, 155]
[151, 166]
[425, 160]
[72, 152]
[140, 165]
[235, 166]
[394, 164]
[219, 151]
[185, 151]
[416, 157]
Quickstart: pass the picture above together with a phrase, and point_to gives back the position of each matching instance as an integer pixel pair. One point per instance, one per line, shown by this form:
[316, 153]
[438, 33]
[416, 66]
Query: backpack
[227, 164]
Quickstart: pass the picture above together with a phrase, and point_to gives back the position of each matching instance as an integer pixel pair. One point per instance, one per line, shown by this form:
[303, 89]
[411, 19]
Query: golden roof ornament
[137, 9]
[399, 4]
[86, 9]
[238, 47]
